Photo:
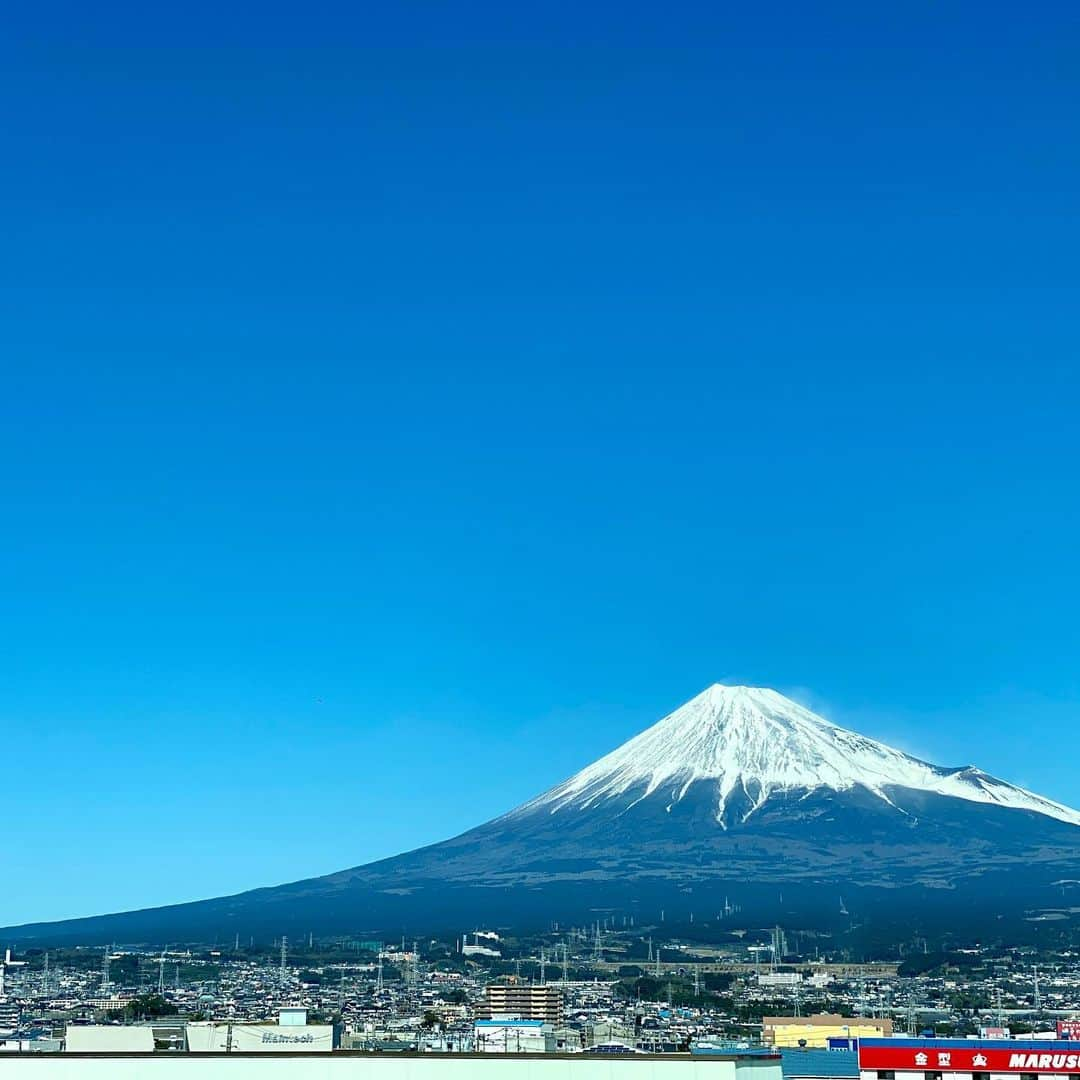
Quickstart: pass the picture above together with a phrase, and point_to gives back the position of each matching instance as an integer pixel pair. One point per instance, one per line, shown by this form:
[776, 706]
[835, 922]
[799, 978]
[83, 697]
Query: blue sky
[401, 407]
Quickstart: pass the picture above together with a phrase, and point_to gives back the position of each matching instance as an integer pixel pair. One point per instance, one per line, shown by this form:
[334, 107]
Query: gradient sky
[404, 404]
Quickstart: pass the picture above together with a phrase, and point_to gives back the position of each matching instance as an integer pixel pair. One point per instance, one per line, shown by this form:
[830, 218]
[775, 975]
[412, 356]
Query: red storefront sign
[969, 1059]
[1068, 1029]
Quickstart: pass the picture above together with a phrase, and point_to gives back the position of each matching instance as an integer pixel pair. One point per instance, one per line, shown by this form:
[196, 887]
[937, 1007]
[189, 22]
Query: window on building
[886, 1074]
[932, 1076]
[1029, 1076]
[980, 1076]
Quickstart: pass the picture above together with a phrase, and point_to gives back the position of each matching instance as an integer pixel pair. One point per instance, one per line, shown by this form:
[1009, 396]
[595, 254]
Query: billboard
[1068, 1029]
[950, 1057]
[259, 1038]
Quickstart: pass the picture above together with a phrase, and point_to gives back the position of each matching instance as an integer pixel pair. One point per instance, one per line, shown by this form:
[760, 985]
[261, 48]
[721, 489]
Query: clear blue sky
[404, 404]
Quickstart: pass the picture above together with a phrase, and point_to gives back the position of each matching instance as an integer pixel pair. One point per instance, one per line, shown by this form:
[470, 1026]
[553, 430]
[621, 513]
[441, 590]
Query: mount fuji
[747, 744]
[738, 800]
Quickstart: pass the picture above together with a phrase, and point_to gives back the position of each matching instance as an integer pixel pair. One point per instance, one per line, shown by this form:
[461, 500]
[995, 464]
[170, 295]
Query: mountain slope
[738, 794]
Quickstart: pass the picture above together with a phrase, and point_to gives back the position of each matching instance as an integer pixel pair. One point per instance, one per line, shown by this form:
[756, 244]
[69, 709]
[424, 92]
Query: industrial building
[812, 1063]
[968, 1059]
[818, 1030]
[291, 1034]
[523, 1001]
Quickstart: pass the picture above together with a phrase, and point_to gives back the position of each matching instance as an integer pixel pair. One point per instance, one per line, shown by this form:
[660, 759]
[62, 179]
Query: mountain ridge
[742, 735]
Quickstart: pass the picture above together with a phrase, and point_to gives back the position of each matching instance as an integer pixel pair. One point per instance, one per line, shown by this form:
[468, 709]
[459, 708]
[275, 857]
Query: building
[818, 1029]
[292, 1034]
[10, 1012]
[813, 1063]
[779, 978]
[524, 1001]
[488, 948]
[513, 1037]
[967, 1059]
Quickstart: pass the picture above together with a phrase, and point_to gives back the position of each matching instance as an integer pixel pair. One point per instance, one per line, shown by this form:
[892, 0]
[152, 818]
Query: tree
[147, 1006]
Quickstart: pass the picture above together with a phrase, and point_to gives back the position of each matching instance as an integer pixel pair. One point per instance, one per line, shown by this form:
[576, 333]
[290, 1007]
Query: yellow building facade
[818, 1029]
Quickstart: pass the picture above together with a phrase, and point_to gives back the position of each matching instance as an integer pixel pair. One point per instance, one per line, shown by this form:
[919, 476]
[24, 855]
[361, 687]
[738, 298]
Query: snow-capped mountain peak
[751, 742]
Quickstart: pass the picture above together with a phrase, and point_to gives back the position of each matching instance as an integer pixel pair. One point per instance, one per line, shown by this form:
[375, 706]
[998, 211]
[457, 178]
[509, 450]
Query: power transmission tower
[284, 955]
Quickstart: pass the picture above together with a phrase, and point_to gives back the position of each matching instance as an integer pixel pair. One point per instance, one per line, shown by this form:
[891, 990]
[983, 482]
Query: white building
[292, 1034]
[501, 1036]
[779, 978]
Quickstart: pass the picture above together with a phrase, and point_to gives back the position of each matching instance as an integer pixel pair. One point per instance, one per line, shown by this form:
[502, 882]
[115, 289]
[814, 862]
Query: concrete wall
[343, 1066]
[109, 1039]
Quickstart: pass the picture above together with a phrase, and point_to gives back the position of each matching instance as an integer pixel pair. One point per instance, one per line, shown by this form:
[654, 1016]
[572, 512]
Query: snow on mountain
[753, 742]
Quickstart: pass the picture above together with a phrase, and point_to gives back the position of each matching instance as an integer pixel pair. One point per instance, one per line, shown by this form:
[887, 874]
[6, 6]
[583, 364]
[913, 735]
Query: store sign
[968, 1059]
[1068, 1029]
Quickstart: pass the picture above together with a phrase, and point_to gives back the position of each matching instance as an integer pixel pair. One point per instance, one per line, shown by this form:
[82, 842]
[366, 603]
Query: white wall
[341, 1066]
[109, 1038]
[255, 1038]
